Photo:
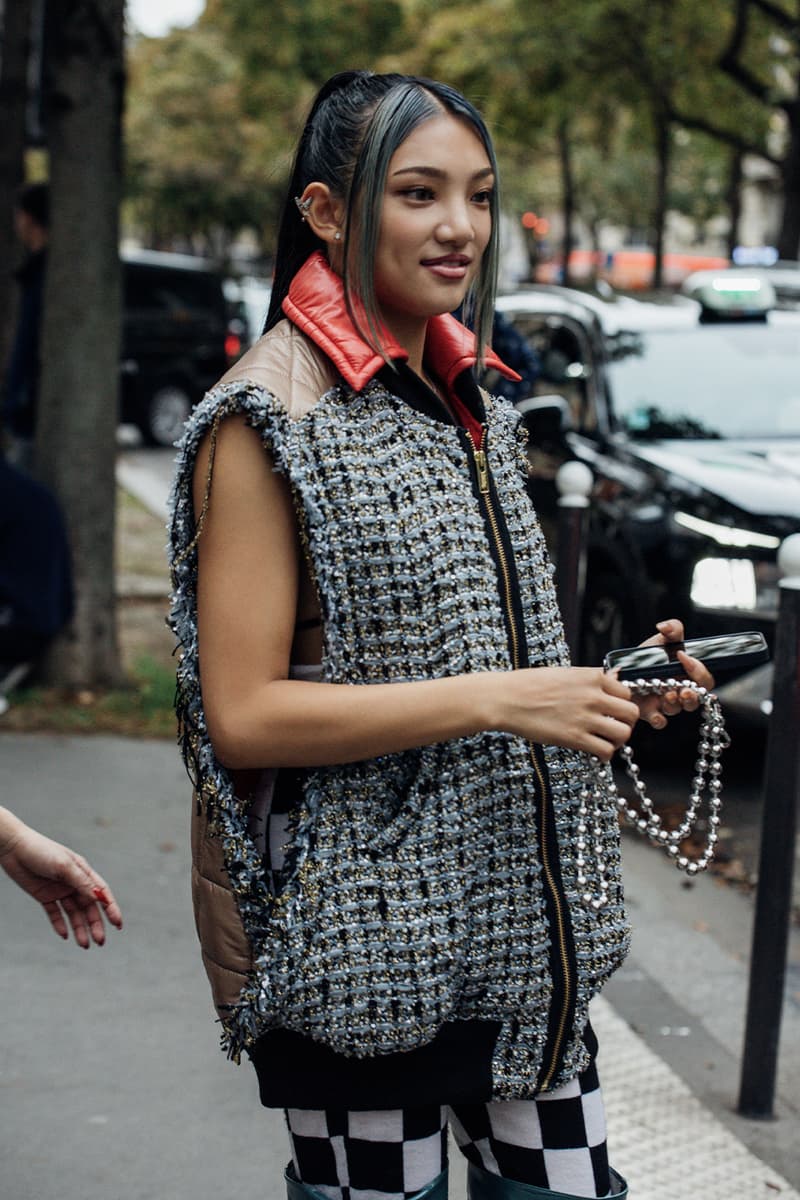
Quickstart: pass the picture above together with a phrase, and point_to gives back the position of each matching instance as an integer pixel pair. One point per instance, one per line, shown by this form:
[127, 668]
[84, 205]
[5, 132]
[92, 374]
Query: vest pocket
[369, 955]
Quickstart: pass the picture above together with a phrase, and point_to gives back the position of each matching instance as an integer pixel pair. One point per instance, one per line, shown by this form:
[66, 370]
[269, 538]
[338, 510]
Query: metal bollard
[574, 481]
[776, 857]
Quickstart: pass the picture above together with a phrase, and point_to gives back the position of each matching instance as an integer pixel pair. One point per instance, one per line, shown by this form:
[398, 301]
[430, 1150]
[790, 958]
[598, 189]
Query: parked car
[691, 427]
[178, 337]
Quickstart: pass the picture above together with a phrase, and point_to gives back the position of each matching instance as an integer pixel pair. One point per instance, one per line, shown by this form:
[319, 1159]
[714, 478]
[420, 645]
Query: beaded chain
[705, 783]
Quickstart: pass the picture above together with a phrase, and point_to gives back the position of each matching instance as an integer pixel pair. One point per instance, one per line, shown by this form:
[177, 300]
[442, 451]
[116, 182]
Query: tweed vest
[440, 883]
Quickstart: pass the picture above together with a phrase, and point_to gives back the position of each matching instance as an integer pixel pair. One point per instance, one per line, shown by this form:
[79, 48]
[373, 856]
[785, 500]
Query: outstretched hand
[63, 882]
[656, 709]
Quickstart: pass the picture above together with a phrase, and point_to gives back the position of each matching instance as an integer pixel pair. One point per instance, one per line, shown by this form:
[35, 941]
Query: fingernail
[100, 895]
[663, 624]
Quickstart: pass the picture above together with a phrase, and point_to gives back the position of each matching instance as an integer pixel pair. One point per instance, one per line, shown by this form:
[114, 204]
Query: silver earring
[337, 237]
[303, 206]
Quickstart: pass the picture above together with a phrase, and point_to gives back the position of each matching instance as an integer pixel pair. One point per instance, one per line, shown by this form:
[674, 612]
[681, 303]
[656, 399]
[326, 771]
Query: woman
[406, 883]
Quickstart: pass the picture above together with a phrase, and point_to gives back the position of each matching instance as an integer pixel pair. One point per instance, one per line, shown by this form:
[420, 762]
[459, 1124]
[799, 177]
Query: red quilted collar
[316, 305]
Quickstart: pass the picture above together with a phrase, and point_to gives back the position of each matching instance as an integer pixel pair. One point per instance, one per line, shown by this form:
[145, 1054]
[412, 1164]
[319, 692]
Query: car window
[161, 289]
[563, 352]
[717, 381]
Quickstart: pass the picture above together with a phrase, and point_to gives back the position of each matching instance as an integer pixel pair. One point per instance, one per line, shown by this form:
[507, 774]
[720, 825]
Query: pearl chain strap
[705, 784]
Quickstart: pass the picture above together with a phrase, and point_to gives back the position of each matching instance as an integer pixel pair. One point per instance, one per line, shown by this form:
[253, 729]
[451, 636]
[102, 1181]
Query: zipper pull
[483, 471]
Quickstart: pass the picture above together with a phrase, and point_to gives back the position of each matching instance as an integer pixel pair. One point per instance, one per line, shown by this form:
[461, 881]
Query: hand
[63, 882]
[584, 708]
[656, 709]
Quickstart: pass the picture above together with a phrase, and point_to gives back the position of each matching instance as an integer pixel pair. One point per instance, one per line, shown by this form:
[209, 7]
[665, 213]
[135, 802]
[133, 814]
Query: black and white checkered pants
[556, 1141]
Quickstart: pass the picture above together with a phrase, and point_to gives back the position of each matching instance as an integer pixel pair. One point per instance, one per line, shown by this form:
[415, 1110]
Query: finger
[697, 671]
[670, 704]
[620, 709]
[671, 630]
[613, 731]
[93, 918]
[651, 713]
[92, 889]
[103, 895]
[56, 918]
[77, 920]
[614, 686]
[599, 746]
[96, 926]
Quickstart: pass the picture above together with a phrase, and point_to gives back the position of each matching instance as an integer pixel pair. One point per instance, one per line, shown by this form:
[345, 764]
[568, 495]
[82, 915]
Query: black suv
[689, 418]
[176, 340]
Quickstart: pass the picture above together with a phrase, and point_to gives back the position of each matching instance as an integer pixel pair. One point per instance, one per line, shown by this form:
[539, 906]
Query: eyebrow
[436, 173]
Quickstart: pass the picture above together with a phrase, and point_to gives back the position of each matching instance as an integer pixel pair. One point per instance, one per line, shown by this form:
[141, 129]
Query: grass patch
[144, 709]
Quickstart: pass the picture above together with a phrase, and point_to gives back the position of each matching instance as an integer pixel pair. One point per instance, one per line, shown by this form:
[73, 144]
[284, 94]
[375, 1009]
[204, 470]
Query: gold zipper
[483, 484]
[482, 468]
[562, 944]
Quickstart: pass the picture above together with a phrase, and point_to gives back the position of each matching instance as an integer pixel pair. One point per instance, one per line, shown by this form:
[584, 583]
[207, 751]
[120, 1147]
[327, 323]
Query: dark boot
[483, 1185]
[295, 1190]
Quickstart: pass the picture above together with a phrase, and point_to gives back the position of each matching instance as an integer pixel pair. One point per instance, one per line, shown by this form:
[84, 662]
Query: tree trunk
[789, 236]
[13, 101]
[76, 429]
[734, 199]
[567, 196]
[663, 140]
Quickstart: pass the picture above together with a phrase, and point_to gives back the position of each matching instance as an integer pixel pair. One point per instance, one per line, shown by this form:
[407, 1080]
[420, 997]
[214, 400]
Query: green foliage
[197, 161]
[214, 111]
[144, 709]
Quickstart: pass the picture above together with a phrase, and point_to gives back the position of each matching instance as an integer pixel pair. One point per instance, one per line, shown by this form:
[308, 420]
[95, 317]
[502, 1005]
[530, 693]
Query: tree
[743, 91]
[13, 102]
[198, 163]
[78, 402]
[559, 78]
[778, 93]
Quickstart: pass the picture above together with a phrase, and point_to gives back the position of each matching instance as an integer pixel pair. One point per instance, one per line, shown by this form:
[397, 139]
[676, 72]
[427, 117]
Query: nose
[456, 225]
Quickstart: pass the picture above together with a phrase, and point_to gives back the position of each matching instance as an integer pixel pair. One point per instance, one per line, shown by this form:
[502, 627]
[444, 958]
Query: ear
[325, 213]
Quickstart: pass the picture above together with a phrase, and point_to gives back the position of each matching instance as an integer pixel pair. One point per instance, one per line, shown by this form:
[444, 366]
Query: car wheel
[606, 621]
[166, 415]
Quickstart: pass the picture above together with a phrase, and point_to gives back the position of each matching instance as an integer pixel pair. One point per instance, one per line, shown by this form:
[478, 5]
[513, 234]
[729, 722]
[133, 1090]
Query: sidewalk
[112, 1086]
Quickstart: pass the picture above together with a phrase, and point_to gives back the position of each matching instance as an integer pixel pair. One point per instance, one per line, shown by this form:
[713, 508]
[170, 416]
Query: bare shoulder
[239, 463]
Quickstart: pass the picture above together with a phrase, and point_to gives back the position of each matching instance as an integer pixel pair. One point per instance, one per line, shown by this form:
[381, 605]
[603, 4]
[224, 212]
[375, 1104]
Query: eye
[483, 197]
[420, 193]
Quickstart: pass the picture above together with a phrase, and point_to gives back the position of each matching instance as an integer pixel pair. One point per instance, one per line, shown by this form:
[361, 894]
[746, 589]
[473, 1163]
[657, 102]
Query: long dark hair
[356, 123]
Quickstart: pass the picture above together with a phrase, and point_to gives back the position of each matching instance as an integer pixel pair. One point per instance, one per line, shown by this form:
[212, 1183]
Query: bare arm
[247, 602]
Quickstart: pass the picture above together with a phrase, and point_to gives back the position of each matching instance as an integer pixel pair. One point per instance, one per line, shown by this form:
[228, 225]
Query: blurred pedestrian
[36, 598]
[67, 887]
[406, 863]
[21, 389]
[516, 352]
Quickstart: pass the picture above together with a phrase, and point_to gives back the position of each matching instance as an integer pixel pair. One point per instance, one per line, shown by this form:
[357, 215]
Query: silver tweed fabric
[413, 890]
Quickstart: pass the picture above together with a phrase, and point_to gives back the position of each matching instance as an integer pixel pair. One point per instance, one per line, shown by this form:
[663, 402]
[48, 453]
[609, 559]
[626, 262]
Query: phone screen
[731, 649]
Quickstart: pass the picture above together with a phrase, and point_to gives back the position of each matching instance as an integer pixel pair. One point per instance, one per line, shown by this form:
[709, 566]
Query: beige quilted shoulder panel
[289, 366]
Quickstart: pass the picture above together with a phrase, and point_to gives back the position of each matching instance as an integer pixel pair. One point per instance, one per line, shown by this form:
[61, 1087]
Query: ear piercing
[303, 206]
[337, 237]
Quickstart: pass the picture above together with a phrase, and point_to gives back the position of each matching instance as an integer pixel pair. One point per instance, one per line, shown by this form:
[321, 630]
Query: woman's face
[435, 223]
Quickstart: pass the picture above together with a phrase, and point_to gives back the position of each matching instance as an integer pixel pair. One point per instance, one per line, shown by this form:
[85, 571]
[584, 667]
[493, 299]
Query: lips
[448, 266]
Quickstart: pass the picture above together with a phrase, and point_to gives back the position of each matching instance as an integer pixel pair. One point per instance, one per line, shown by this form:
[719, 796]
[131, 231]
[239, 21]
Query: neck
[410, 332]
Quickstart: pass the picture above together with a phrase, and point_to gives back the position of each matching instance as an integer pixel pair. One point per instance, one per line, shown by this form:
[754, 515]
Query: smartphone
[722, 654]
